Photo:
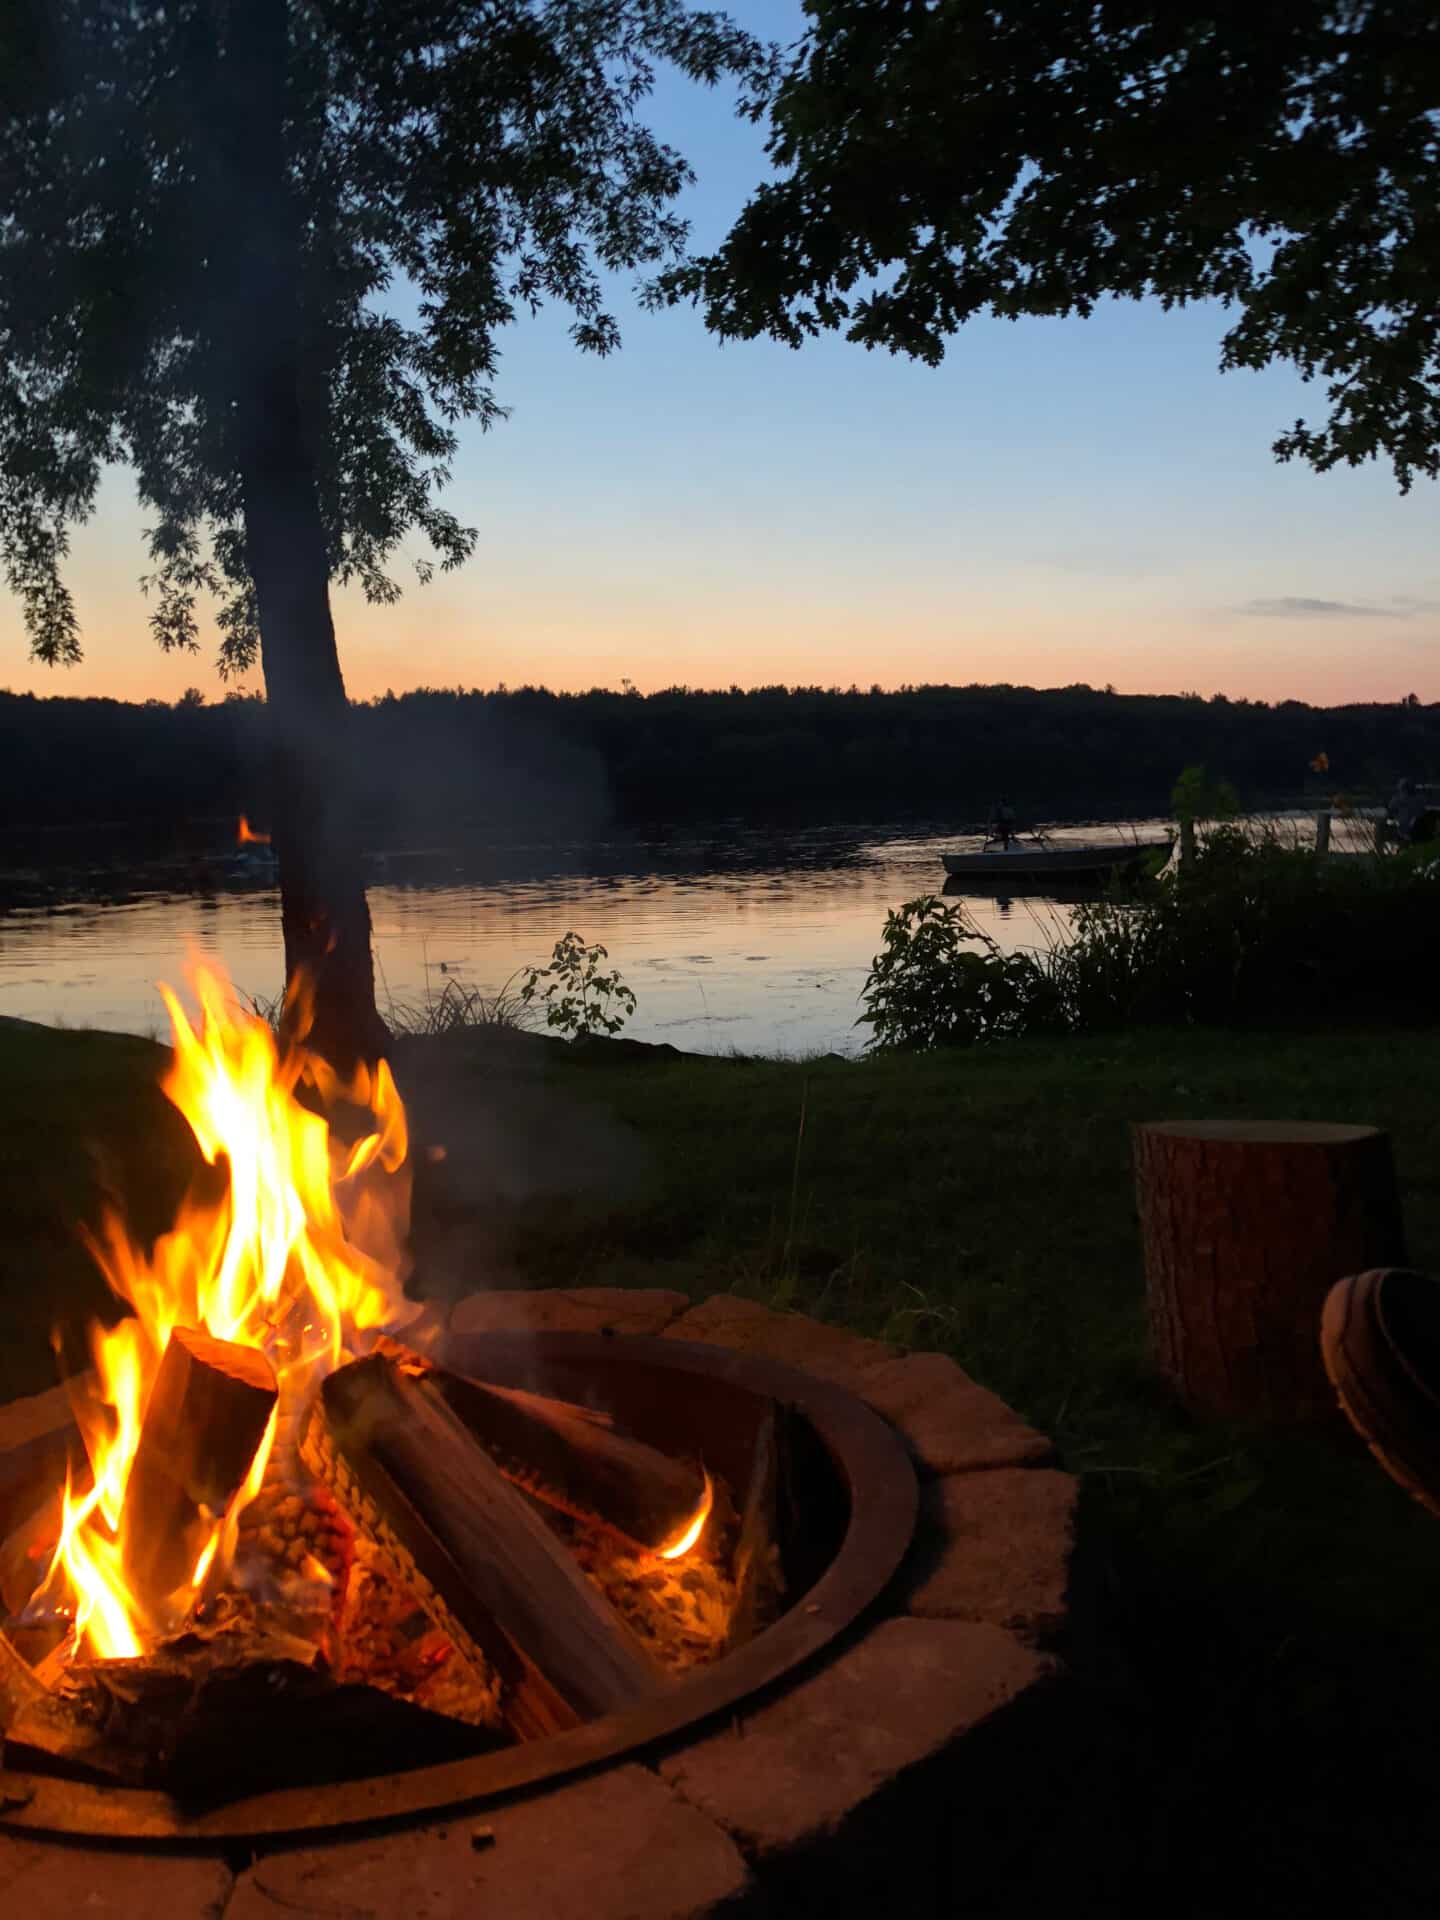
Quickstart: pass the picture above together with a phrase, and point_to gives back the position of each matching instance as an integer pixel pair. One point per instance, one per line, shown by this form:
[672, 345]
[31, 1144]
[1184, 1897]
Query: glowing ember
[299, 1254]
[247, 836]
[687, 1538]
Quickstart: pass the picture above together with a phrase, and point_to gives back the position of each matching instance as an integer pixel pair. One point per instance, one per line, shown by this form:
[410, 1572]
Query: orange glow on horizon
[440, 642]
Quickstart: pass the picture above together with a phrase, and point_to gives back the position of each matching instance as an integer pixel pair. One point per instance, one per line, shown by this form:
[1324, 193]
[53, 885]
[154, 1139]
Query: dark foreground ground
[1262, 1686]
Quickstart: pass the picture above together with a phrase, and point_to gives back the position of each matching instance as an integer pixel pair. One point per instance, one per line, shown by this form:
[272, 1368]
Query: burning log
[255, 1728]
[208, 1731]
[208, 1411]
[568, 1457]
[757, 1578]
[104, 1723]
[416, 1481]
[20, 1688]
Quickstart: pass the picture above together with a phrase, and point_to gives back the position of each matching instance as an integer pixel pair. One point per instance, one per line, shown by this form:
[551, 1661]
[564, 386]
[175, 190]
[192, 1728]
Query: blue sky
[1060, 501]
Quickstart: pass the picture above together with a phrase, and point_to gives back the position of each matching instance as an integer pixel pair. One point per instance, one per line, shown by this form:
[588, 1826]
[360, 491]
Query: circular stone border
[873, 1773]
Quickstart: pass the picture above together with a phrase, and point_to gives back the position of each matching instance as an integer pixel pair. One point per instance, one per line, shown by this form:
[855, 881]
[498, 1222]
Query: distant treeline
[434, 764]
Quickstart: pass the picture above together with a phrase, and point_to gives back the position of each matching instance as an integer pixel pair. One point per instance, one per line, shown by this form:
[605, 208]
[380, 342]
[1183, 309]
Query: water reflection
[749, 942]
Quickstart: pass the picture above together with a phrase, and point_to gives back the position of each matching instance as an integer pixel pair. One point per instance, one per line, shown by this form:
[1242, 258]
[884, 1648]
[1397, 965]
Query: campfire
[296, 1539]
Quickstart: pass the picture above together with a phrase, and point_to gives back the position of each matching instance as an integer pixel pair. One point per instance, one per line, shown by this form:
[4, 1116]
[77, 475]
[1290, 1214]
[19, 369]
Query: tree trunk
[1246, 1225]
[323, 909]
[324, 912]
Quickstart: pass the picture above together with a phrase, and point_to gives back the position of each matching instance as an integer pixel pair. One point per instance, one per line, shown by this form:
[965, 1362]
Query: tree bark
[324, 912]
[1245, 1227]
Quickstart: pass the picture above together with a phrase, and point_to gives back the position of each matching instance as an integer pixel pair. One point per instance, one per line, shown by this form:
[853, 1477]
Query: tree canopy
[939, 159]
[449, 164]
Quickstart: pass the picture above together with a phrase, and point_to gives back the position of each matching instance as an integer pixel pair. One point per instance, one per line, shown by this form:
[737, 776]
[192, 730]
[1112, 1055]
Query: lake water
[756, 944]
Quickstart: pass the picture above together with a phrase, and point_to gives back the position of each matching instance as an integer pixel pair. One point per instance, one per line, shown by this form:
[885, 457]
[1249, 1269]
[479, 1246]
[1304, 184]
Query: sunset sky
[1060, 501]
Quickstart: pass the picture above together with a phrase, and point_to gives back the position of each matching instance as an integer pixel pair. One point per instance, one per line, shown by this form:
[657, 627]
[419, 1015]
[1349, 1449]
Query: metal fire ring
[872, 1466]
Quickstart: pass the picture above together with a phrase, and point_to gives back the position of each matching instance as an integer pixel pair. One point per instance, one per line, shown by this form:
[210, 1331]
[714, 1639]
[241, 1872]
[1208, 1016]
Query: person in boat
[1002, 824]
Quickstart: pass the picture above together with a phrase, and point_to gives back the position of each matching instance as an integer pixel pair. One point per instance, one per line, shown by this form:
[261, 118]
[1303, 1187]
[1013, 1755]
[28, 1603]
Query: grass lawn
[1267, 1666]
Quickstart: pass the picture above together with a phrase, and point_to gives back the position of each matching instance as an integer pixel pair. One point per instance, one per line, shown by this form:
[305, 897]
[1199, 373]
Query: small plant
[1196, 799]
[457, 1008]
[929, 987]
[579, 999]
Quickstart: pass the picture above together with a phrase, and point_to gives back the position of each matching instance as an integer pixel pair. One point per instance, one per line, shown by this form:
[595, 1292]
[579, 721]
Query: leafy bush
[939, 981]
[580, 1000]
[1252, 933]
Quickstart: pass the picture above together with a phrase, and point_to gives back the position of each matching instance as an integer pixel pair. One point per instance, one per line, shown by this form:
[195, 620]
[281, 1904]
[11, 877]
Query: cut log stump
[1246, 1225]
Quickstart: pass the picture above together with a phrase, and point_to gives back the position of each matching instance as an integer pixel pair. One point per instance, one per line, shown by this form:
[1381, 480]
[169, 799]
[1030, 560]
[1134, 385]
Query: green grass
[82, 1123]
[1269, 1685]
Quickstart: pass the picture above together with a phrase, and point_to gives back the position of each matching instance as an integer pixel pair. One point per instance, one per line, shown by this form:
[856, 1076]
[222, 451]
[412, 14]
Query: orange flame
[247, 836]
[689, 1535]
[301, 1251]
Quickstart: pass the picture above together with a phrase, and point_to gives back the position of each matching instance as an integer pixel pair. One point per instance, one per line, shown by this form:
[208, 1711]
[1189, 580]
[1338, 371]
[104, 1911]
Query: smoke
[526, 1161]
[436, 768]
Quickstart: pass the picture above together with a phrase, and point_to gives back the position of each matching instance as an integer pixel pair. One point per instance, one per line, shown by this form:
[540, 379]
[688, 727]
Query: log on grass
[415, 1479]
[1246, 1225]
[207, 1414]
[569, 1457]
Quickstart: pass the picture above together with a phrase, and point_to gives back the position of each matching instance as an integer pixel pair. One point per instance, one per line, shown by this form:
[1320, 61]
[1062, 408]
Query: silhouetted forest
[433, 766]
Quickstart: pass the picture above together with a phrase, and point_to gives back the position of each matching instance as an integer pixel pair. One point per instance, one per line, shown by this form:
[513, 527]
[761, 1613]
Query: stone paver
[997, 1547]
[41, 1882]
[830, 1353]
[806, 1762]
[636, 1310]
[620, 1846]
[950, 1423]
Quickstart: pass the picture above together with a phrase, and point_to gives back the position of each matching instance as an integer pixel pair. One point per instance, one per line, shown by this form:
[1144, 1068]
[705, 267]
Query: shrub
[1252, 933]
[939, 981]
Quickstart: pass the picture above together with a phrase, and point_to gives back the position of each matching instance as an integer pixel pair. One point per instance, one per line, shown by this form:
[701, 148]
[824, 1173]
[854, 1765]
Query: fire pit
[920, 1735]
[847, 1502]
[290, 1561]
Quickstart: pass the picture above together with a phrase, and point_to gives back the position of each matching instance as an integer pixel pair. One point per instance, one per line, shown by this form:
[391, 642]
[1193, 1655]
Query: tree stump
[1246, 1225]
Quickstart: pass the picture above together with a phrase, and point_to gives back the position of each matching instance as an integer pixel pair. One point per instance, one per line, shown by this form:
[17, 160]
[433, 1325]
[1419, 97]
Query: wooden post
[1187, 843]
[1245, 1226]
[1322, 833]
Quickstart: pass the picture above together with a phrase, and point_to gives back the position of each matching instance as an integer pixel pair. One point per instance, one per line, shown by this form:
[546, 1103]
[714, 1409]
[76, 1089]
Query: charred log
[567, 1456]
